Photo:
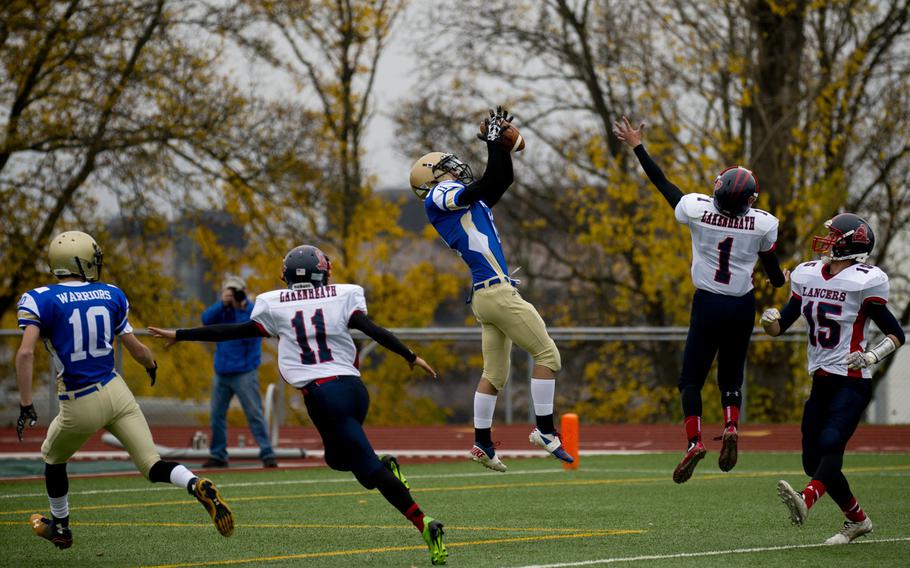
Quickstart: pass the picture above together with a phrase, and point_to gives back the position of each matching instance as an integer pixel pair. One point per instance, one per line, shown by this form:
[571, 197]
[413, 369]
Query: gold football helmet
[74, 253]
[437, 167]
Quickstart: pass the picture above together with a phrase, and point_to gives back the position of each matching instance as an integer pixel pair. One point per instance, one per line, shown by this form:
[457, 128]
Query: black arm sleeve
[495, 181]
[790, 313]
[222, 332]
[380, 335]
[670, 192]
[886, 321]
[771, 265]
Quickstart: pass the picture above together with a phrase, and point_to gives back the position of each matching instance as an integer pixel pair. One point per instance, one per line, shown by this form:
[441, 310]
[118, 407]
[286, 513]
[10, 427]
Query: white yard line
[618, 559]
[349, 479]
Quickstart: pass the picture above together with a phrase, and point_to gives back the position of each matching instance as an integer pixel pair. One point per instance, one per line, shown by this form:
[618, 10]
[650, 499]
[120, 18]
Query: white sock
[484, 406]
[60, 506]
[181, 476]
[542, 393]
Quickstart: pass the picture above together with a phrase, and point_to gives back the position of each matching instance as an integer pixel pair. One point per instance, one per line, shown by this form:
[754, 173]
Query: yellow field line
[476, 487]
[354, 552]
[406, 527]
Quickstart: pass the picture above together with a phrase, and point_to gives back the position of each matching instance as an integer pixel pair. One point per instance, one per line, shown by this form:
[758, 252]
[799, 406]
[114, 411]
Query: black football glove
[25, 413]
[152, 372]
[494, 124]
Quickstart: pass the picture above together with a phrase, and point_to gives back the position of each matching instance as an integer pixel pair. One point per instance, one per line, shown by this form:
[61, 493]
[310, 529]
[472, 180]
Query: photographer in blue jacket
[236, 373]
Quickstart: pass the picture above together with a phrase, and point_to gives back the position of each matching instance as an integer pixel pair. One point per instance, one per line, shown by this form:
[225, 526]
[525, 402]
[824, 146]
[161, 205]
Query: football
[509, 137]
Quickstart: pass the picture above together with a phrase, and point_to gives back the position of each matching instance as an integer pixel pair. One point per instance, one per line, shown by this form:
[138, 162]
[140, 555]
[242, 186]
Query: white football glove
[861, 360]
[770, 316]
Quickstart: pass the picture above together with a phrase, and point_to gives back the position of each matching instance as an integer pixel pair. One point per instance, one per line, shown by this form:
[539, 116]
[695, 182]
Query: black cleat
[728, 451]
[61, 536]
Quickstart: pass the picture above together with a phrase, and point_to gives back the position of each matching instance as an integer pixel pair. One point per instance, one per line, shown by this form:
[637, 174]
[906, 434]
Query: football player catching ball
[460, 209]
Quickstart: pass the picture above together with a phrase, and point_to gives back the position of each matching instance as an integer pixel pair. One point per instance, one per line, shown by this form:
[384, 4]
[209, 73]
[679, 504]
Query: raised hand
[624, 131]
[491, 128]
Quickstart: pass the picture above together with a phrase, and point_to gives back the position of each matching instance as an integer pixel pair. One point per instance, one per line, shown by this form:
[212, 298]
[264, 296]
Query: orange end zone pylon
[569, 434]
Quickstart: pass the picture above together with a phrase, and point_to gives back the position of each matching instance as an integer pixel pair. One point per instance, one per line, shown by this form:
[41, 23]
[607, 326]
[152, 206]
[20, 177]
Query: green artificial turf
[613, 507]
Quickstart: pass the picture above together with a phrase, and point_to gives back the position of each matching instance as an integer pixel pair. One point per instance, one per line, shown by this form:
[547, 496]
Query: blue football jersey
[468, 229]
[78, 322]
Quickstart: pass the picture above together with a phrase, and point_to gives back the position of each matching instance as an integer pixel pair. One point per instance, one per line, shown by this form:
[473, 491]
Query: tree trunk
[780, 40]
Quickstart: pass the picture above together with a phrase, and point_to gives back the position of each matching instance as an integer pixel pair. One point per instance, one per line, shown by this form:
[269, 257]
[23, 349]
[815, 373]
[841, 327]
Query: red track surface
[634, 437]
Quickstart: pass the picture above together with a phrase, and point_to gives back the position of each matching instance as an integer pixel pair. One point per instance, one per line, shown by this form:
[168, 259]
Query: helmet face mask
[437, 167]
[849, 238]
[735, 191]
[75, 254]
[306, 267]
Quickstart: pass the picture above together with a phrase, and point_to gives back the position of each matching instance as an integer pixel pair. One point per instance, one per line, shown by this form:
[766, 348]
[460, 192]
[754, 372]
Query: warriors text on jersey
[835, 311]
[312, 330]
[724, 249]
[78, 321]
[468, 229]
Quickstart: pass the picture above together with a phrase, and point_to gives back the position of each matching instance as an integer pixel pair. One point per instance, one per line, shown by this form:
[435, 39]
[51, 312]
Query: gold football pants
[506, 318]
[112, 408]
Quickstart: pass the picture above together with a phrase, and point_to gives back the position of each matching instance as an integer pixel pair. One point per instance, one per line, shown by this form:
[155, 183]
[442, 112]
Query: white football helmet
[437, 167]
[74, 253]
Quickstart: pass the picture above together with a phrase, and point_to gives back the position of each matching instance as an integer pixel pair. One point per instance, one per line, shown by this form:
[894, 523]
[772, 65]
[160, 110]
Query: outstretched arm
[217, 332]
[632, 137]
[360, 321]
[498, 175]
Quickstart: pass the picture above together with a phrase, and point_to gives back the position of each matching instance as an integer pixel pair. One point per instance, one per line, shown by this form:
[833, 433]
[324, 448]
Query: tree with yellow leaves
[811, 96]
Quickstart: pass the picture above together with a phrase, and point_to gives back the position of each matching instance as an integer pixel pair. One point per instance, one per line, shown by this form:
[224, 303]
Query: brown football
[510, 138]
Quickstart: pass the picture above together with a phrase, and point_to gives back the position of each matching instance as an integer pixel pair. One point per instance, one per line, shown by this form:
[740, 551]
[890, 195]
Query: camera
[239, 295]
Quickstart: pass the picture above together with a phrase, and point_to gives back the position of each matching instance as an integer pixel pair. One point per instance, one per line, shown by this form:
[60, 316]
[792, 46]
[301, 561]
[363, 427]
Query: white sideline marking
[702, 554]
[349, 479]
[122, 455]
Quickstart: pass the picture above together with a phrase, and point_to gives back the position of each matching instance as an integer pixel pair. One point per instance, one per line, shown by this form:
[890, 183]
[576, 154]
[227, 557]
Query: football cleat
[851, 531]
[487, 458]
[207, 494]
[392, 465]
[728, 452]
[62, 537]
[686, 467]
[794, 501]
[550, 443]
[432, 535]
